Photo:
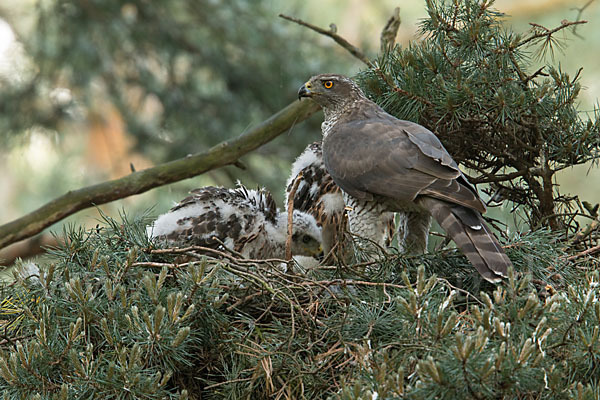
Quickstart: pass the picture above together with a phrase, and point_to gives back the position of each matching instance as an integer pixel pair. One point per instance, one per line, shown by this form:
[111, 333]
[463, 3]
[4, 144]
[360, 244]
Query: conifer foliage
[472, 81]
[116, 318]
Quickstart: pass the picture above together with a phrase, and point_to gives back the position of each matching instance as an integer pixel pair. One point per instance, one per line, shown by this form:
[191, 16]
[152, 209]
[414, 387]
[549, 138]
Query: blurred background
[90, 89]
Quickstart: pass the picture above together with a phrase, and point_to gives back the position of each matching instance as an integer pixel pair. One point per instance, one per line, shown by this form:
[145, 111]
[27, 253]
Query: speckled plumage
[246, 221]
[318, 195]
[401, 166]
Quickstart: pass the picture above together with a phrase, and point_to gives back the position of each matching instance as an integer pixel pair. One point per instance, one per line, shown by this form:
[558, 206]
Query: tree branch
[489, 178]
[590, 251]
[224, 153]
[579, 13]
[27, 248]
[355, 51]
[548, 32]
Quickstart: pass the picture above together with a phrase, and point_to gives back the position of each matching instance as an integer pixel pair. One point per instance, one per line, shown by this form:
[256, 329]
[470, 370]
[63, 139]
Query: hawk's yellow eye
[328, 84]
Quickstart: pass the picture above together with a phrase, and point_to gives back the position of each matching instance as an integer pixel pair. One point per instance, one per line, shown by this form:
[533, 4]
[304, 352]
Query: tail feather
[470, 233]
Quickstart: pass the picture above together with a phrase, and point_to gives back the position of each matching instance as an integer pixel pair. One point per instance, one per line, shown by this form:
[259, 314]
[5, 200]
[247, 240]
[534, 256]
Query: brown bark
[26, 248]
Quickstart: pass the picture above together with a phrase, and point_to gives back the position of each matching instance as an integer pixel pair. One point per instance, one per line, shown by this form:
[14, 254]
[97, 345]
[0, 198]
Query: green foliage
[472, 81]
[118, 319]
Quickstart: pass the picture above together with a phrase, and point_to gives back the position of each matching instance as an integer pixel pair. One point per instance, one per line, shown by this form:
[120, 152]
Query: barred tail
[470, 233]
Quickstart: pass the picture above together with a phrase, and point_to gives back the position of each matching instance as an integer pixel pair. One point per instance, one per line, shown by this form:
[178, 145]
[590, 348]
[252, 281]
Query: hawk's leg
[416, 234]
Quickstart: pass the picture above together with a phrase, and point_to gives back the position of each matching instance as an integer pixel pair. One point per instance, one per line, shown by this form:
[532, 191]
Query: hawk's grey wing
[396, 159]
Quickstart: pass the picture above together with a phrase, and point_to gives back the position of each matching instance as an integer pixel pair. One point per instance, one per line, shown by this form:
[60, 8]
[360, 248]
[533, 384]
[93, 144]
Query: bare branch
[579, 13]
[488, 178]
[225, 153]
[355, 51]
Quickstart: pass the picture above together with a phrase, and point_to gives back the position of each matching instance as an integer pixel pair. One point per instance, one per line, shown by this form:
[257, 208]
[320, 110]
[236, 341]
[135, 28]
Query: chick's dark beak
[304, 91]
[320, 257]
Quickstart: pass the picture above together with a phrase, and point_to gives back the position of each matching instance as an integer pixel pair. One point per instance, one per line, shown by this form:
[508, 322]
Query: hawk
[246, 221]
[378, 159]
[318, 195]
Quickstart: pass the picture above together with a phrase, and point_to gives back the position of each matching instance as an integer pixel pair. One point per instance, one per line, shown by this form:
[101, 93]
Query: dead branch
[223, 154]
[390, 31]
[355, 51]
[187, 250]
[579, 13]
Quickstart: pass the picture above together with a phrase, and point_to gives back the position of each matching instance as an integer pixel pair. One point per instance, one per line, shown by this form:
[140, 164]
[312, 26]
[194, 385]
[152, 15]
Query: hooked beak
[304, 91]
[319, 255]
[316, 253]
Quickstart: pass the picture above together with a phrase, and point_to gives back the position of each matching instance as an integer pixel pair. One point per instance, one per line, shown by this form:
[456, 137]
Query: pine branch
[355, 51]
[223, 154]
[547, 33]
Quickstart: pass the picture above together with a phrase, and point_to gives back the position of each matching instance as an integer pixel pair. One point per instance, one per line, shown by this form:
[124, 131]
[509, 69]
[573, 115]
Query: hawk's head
[306, 235]
[330, 90]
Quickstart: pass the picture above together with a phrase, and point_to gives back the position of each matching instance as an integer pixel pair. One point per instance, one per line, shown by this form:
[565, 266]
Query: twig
[243, 300]
[463, 291]
[290, 218]
[214, 385]
[579, 13]
[403, 92]
[187, 250]
[355, 51]
[587, 252]
[11, 341]
[539, 72]
[351, 282]
[232, 251]
[160, 265]
[587, 231]
[225, 153]
[488, 178]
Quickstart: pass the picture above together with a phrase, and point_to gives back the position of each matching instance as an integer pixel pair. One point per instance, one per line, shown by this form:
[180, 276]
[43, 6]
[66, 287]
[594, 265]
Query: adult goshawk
[377, 158]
